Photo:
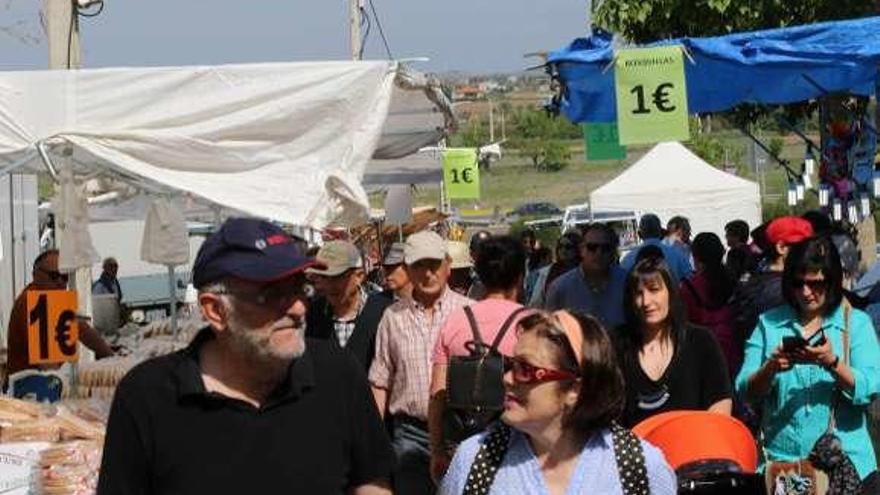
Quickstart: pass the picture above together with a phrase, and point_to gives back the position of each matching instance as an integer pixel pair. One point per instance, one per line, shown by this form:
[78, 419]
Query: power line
[381, 31]
[80, 11]
[365, 21]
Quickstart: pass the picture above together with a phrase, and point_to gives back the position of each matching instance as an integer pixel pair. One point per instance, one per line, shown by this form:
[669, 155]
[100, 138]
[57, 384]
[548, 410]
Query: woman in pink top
[707, 293]
[501, 268]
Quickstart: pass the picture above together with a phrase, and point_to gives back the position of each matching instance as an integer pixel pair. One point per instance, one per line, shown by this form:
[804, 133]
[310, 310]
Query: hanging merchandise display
[835, 168]
[651, 92]
[849, 144]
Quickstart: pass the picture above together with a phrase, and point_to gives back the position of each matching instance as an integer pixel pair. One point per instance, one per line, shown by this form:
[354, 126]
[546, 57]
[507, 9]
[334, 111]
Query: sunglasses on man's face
[279, 295]
[598, 246]
[525, 373]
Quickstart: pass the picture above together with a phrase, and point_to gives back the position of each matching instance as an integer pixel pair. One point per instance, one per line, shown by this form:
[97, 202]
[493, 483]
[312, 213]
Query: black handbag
[474, 384]
[827, 469]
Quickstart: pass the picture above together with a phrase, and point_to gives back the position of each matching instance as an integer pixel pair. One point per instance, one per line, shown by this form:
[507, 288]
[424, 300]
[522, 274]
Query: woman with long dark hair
[667, 363]
[809, 354]
[707, 297]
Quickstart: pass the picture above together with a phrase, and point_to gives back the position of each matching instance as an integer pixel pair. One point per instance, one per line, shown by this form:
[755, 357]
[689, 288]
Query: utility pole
[491, 121]
[354, 15]
[62, 28]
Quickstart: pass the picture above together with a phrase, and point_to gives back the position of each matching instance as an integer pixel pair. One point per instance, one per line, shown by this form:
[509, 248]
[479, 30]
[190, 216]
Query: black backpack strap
[507, 324]
[475, 331]
[488, 460]
[630, 458]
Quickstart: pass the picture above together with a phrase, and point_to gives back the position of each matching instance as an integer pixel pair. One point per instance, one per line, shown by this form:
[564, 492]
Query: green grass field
[513, 181]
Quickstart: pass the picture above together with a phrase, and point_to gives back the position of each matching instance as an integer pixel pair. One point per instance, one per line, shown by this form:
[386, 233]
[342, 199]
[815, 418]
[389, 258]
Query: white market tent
[283, 141]
[670, 180]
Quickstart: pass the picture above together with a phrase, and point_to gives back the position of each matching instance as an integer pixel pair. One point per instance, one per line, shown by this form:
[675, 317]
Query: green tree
[713, 149]
[542, 138]
[642, 21]
[473, 134]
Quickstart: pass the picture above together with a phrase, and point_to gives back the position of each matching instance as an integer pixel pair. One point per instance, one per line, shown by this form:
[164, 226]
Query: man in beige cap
[343, 313]
[401, 371]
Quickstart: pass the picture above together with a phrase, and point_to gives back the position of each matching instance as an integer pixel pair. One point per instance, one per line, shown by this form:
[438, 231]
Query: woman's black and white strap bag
[628, 452]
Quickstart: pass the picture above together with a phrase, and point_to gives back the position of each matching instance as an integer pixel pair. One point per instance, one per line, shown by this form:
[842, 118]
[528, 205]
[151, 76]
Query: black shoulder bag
[628, 453]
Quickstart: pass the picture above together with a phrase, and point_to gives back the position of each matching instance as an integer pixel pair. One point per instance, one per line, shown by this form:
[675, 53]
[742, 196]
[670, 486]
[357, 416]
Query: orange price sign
[53, 331]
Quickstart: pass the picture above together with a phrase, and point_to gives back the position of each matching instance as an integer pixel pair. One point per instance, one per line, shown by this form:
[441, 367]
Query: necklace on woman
[655, 356]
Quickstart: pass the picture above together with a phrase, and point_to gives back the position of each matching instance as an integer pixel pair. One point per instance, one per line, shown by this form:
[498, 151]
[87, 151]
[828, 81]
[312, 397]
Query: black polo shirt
[318, 433]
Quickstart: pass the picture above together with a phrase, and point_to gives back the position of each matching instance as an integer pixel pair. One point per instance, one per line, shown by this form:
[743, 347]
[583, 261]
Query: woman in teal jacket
[794, 384]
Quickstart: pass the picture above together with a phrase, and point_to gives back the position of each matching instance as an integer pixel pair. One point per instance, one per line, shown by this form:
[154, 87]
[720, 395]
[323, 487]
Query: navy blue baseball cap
[248, 249]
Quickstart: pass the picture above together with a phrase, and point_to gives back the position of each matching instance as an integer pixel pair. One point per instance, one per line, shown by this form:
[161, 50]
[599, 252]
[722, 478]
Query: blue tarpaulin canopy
[774, 66]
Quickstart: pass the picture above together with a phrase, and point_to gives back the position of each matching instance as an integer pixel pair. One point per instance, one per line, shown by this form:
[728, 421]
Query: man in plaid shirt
[401, 371]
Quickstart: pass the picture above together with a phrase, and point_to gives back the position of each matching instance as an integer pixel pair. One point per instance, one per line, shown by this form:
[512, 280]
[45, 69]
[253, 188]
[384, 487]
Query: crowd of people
[309, 376]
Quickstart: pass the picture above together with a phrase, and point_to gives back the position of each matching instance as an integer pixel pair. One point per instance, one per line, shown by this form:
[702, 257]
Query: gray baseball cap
[394, 254]
[336, 258]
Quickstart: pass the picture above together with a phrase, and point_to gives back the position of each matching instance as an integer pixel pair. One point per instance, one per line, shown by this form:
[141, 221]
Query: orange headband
[572, 330]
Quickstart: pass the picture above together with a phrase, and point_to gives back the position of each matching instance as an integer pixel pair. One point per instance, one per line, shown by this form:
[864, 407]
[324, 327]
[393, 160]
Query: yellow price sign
[651, 90]
[461, 173]
[53, 330]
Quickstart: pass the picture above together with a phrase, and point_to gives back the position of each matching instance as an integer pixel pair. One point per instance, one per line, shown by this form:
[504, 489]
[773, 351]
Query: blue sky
[469, 35]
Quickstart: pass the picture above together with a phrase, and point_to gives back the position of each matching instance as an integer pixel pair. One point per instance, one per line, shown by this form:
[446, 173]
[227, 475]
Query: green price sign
[651, 95]
[461, 173]
[602, 142]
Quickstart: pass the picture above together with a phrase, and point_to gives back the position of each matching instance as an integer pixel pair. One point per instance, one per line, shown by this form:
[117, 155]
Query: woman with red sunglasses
[557, 433]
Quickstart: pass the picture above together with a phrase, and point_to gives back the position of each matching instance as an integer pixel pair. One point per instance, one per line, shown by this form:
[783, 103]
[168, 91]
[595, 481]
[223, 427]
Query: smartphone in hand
[793, 343]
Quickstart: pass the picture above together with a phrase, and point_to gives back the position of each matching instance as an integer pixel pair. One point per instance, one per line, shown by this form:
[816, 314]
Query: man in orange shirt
[45, 277]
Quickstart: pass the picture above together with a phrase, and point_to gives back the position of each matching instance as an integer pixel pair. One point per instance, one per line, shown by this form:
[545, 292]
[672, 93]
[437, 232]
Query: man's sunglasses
[279, 295]
[814, 285]
[55, 275]
[525, 373]
[597, 246]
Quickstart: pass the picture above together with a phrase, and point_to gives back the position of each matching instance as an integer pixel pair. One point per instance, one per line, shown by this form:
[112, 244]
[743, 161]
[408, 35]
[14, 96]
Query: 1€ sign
[461, 173]
[53, 331]
[651, 95]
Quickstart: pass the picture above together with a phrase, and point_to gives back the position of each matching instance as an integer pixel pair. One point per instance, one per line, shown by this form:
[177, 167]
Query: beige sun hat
[460, 254]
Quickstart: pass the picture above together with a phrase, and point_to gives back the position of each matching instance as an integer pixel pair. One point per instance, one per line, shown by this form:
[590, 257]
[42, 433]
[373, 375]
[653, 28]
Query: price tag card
[602, 142]
[651, 95]
[461, 173]
[53, 331]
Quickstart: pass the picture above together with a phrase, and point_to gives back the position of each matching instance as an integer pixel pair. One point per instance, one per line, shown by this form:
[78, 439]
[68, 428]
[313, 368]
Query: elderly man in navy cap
[251, 405]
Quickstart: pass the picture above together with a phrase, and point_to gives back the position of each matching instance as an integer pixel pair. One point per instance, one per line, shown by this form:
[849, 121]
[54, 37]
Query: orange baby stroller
[710, 453]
